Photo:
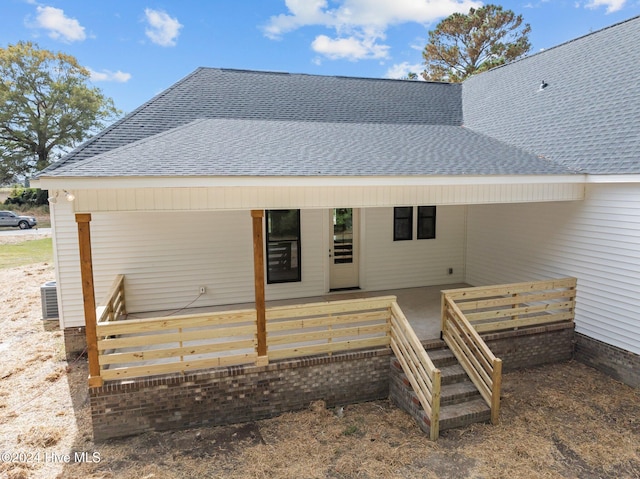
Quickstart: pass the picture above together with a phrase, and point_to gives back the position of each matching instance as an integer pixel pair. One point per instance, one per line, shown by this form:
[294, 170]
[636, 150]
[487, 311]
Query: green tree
[46, 108]
[464, 44]
[29, 197]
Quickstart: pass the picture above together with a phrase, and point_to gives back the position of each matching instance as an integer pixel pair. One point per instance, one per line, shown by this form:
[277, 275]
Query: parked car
[9, 218]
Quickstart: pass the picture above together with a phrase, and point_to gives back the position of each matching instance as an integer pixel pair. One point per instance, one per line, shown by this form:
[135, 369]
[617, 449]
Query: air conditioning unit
[49, 299]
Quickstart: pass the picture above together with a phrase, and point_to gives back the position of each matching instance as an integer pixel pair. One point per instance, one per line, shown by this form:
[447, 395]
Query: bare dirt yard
[560, 421]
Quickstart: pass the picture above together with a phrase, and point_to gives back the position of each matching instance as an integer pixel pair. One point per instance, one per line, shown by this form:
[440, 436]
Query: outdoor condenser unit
[49, 299]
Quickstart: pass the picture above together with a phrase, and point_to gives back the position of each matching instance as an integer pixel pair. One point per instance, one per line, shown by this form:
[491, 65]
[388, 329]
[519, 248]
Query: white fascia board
[289, 181]
[613, 178]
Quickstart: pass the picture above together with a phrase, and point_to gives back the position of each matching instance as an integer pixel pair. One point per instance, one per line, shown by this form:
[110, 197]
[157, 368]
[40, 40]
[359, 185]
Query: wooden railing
[467, 312]
[146, 347]
[482, 367]
[113, 307]
[143, 347]
[512, 306]
[425, 379]
[327, 327]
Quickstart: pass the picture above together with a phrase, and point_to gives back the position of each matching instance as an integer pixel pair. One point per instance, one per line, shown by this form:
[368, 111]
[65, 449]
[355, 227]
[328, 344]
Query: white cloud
[108, 75]
[612, 5]
[163, 30]
[350, 48]
[359, 25]
[303, 12]
[59, 26]
[401, 70]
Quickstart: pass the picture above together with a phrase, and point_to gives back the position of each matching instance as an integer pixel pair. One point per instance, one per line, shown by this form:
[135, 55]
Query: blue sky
[137, 48]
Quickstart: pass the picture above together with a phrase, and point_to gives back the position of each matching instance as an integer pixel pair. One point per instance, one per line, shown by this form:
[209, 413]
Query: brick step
[452, 374]
[442, 357]
[460, 402]
[457, 393]
[463, 414]
[431, 344]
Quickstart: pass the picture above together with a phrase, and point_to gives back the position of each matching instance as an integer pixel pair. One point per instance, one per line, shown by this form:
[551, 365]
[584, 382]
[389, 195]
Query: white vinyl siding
[596, 240]
[67, 260]
[405, 264]
[166, 257]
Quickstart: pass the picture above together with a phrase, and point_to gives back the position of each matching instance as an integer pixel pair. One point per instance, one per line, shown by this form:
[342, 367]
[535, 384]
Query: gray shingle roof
[223, 93]
[240, 147]
[588, 116]
[587, 119]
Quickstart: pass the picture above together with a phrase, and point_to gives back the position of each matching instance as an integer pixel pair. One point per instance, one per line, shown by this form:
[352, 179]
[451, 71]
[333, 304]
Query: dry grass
[561, 421]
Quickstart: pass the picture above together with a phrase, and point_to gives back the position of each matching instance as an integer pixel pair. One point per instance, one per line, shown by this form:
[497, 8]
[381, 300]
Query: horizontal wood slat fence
[113, 306]
[511, 306]
[142, 347]
[145, 347]
[467, 312]
[327, 327]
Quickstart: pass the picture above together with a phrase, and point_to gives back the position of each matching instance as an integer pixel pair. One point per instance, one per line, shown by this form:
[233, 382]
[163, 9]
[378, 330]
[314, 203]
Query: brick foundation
[401, 394]
[75, 341]
[621, 365]
[237, 394]
[529, 347]
[248, 393]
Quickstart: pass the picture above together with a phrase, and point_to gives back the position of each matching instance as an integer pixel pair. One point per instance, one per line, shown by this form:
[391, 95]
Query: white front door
[343, 253]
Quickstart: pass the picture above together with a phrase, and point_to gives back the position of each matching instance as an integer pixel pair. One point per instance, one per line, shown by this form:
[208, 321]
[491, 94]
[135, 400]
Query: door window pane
[343, 235]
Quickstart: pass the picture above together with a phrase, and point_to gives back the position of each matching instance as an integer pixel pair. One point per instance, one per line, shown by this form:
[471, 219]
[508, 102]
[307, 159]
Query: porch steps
[460, 401]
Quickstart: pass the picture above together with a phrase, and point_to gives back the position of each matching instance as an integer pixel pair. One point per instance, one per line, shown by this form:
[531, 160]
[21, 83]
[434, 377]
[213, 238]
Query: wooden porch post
[258, 266]
[88, 297]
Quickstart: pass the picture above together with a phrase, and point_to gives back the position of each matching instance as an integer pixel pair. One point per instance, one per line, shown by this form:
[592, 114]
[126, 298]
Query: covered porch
[261, 337]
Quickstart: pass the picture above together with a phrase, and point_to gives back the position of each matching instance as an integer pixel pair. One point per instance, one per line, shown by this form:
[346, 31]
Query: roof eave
[107, 183]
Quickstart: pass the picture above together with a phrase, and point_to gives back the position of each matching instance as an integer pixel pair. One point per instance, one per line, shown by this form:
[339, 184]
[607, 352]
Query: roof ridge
[341, 77]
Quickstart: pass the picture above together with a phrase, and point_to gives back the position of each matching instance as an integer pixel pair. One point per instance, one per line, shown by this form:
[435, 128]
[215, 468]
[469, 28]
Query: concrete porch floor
[420, 305]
